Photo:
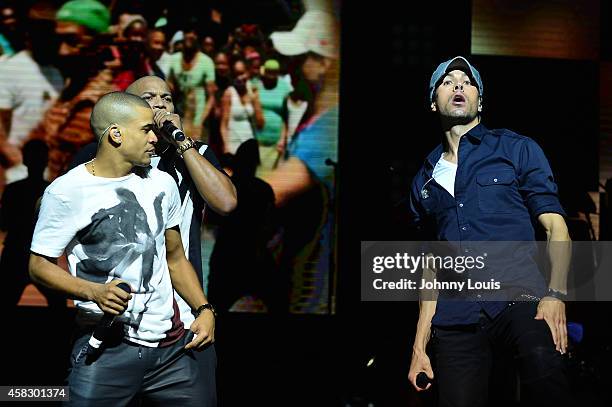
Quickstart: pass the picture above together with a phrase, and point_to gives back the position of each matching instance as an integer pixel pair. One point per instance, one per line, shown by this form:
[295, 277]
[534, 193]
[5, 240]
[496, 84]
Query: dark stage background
[389, 50]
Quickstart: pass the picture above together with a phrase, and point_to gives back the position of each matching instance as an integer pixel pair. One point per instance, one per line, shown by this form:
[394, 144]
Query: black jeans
[465, 360]
[125, 373]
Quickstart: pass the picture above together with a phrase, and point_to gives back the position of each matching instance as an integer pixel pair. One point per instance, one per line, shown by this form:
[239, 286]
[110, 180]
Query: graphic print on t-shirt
[117, 236]
[114, 228]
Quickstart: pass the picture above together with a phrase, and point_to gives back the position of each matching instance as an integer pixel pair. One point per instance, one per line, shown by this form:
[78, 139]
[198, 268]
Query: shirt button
[461, 205]
[494, 179]
[463, 228]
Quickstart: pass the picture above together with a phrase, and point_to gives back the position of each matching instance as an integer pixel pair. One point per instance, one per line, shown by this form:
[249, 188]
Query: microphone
[102, 329]
[423, 380]
[173, 131]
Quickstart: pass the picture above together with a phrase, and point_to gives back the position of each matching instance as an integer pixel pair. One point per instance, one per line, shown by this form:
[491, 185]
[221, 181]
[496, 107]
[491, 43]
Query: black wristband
[203, 307]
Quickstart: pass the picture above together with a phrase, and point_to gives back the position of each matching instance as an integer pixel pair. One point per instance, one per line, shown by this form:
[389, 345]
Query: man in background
[29, 85]
[65, 126]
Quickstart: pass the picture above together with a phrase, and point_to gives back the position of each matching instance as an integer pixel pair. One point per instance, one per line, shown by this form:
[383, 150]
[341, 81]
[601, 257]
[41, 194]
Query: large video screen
[256, 86]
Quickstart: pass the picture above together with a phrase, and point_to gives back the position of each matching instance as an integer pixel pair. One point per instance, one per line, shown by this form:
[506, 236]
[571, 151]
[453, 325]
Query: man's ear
[115, 134]
[433, 106]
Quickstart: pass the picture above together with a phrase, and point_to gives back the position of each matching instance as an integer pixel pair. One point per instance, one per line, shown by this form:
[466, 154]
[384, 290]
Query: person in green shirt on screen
[192, 78]
[272, 138]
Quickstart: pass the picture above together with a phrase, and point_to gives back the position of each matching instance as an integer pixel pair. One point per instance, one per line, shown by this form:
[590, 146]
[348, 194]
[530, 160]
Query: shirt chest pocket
[496, 191]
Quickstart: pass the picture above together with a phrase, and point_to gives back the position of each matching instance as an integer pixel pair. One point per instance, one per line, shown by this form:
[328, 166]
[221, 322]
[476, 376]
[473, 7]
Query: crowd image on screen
[229, 83]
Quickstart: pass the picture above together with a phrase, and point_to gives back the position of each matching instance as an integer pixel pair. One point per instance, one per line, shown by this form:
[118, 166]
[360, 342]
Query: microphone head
[422, 380]
[125, 287]
[173, 131]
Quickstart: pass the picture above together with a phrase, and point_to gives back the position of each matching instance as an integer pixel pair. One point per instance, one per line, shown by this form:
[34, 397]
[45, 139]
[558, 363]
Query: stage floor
[292, 360]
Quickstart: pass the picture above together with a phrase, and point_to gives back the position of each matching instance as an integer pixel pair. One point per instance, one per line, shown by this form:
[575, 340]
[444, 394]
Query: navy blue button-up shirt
[503, 183]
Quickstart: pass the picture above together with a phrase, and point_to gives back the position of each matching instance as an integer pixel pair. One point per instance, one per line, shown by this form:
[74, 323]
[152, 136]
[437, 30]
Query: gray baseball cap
[457, 62]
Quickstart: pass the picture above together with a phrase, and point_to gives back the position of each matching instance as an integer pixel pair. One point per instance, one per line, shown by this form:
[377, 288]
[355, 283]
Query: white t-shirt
[28, 90]
[444, 173]
[114, 228]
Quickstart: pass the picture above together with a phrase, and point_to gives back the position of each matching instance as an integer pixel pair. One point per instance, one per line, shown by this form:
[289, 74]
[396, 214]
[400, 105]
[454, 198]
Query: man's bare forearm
[560, 254]
[186, 283]
[183, 276]
[45, 272]
[423, 331]
[427, 309]
[214, 187]
[559, 250]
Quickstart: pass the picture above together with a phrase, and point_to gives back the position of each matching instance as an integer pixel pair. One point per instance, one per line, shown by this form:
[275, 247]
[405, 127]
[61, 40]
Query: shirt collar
[433, 157]
[477, 132]
[475, 135]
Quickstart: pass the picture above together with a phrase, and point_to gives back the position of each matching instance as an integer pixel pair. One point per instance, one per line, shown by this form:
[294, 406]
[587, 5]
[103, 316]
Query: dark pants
[125, 373]
[465, 356]
[207, 365]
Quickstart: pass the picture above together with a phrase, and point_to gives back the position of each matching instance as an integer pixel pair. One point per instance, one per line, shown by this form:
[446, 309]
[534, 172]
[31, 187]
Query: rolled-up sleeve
[536, 181]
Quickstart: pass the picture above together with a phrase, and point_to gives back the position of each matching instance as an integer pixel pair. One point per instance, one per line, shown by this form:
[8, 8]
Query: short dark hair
[113, 107]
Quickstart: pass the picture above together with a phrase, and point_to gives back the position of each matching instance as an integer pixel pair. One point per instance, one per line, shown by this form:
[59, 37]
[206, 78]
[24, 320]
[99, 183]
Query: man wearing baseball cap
[489, 185]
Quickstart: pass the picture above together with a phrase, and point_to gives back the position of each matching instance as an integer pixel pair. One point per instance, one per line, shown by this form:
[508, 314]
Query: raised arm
[214, 186]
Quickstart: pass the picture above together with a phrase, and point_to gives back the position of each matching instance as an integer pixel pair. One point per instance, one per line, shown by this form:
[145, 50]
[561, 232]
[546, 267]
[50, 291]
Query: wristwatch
[203, 307]
[556, 294]
[189, 143]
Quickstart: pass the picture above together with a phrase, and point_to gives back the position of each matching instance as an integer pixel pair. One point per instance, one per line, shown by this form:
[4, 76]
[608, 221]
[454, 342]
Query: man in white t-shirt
[117, 220]
[202, 185]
